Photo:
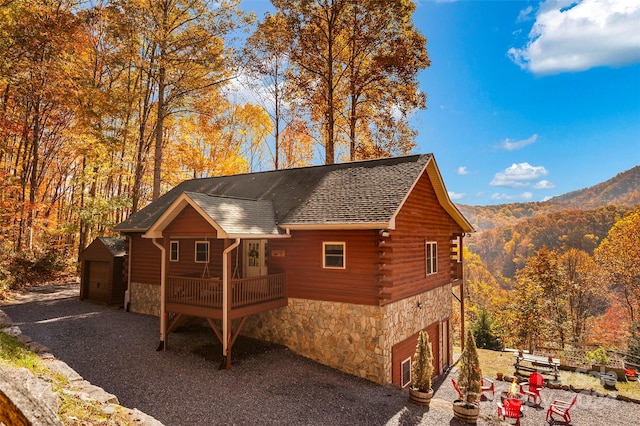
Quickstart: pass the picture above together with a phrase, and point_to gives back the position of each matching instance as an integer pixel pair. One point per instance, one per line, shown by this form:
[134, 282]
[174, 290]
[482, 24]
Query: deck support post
[227, 275]
[163, 290]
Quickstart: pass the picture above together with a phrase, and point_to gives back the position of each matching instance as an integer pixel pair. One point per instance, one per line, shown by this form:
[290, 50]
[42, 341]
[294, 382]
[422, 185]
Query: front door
[255, 258]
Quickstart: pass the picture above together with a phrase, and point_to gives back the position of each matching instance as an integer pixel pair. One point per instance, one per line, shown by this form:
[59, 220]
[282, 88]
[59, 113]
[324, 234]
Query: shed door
[99, 281]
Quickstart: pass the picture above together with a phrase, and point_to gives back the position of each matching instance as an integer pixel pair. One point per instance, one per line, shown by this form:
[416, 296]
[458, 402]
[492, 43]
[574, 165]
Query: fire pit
[507, 394]
[512, 393]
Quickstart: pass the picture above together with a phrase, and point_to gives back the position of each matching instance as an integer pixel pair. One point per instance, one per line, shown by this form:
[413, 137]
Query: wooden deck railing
[249, 291]
[207, 292]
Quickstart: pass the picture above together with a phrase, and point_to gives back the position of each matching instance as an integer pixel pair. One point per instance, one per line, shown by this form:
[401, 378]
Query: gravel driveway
[268, 384]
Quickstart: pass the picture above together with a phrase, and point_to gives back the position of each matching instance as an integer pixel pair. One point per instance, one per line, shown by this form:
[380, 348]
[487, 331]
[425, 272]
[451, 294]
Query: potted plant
[469, 383]
[420, 391]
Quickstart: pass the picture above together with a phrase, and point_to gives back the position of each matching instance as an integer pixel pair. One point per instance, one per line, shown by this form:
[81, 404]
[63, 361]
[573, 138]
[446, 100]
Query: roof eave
[334, 226]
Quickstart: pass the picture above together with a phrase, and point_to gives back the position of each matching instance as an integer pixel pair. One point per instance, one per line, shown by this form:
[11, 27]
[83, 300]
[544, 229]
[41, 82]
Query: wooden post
[462, 278]
[227, 275]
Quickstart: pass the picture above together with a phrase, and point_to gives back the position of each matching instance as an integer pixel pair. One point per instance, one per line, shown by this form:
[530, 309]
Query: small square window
[334, 255]
[202, 251]
[406, 372]
[431, 255]
[174, 251]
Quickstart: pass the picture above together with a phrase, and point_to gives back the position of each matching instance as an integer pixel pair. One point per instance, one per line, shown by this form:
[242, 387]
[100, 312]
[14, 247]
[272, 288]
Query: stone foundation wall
[404, 318]
[343, 336]
[144, 299]
[356, 339]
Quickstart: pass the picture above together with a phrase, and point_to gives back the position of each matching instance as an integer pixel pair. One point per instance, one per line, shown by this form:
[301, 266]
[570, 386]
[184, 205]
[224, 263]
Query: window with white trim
[431, 255]
[202, 252]
[334, 255]
[174, 251]
[405, 370]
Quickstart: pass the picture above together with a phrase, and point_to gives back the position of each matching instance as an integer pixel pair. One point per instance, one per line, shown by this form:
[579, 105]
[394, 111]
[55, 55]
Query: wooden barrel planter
[420, 398]
[466, 412]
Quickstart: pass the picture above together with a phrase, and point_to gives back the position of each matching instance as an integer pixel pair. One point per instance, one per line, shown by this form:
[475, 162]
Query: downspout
[127, 294]
[225, 293]
[163, 313]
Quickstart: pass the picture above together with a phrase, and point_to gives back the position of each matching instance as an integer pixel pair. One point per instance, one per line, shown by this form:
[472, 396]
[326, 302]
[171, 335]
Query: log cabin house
[342, 263]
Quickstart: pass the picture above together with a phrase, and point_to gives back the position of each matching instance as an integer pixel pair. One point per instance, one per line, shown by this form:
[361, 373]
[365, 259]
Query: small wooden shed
[102, 271]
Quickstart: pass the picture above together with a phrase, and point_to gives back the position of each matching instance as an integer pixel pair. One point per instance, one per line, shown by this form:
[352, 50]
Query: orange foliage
[610, 329]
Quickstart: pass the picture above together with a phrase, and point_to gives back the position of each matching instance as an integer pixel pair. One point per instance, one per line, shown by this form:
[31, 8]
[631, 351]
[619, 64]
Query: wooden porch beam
[215, 328]
[235, 335]
[177, 322]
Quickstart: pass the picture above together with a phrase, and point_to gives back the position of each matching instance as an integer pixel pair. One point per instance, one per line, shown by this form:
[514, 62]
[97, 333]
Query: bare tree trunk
[329, 145]
[157, 158]
[157, 164]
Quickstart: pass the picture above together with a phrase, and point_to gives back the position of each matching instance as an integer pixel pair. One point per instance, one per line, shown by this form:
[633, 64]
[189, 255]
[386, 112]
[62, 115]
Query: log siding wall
[301, 258]
[402, 256]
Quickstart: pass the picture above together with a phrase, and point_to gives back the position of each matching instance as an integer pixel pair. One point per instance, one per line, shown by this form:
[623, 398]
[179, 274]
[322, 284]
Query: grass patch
[72, 410]
[493, 362]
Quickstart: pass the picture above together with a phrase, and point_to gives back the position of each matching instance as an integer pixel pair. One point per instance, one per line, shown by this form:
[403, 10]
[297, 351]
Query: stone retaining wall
[26, 399]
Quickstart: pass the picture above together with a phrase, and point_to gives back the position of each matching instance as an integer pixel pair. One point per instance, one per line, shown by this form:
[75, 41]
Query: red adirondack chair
[531, 389]
[510, 409]
[455, 386]
[561, 409]
[487, 387]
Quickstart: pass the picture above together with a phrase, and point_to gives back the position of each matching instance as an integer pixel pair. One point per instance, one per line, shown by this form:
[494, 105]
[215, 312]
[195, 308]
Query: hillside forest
[105, 105]
[562, 281]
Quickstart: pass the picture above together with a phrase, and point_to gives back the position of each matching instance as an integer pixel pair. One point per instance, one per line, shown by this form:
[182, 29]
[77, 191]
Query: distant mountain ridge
[622, 190]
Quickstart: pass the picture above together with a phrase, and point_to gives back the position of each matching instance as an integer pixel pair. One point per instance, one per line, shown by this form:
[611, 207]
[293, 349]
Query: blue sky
[527, 99]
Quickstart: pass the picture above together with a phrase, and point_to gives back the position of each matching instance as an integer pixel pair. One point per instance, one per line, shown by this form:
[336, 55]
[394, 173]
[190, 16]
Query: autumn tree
[585, 292]
[539, 301]
[527, 311]
[383, 56]
[221, 138]
[265, 58]
[38, 48]
[181, 54]
[354, 64]
[618, 254]
[482, 290]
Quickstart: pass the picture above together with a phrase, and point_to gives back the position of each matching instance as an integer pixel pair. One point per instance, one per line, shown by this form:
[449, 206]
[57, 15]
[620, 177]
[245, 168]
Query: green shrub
[469, 378]
[422, 366]
[484, 332]
[598, 356]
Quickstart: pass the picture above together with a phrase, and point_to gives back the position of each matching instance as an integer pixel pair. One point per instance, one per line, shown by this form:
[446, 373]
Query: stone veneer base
[356, 339]
[144, 298]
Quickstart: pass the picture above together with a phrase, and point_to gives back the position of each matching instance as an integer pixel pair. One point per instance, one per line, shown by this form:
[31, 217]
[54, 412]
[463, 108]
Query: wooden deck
[202, 297]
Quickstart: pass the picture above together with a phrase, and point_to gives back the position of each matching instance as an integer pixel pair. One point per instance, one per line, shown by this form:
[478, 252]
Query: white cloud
[570, 36]
[456, 195]
[544, 184]
[525, 14]
[518, 175]
[517, 197]
[510, 145]
[462, 170]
